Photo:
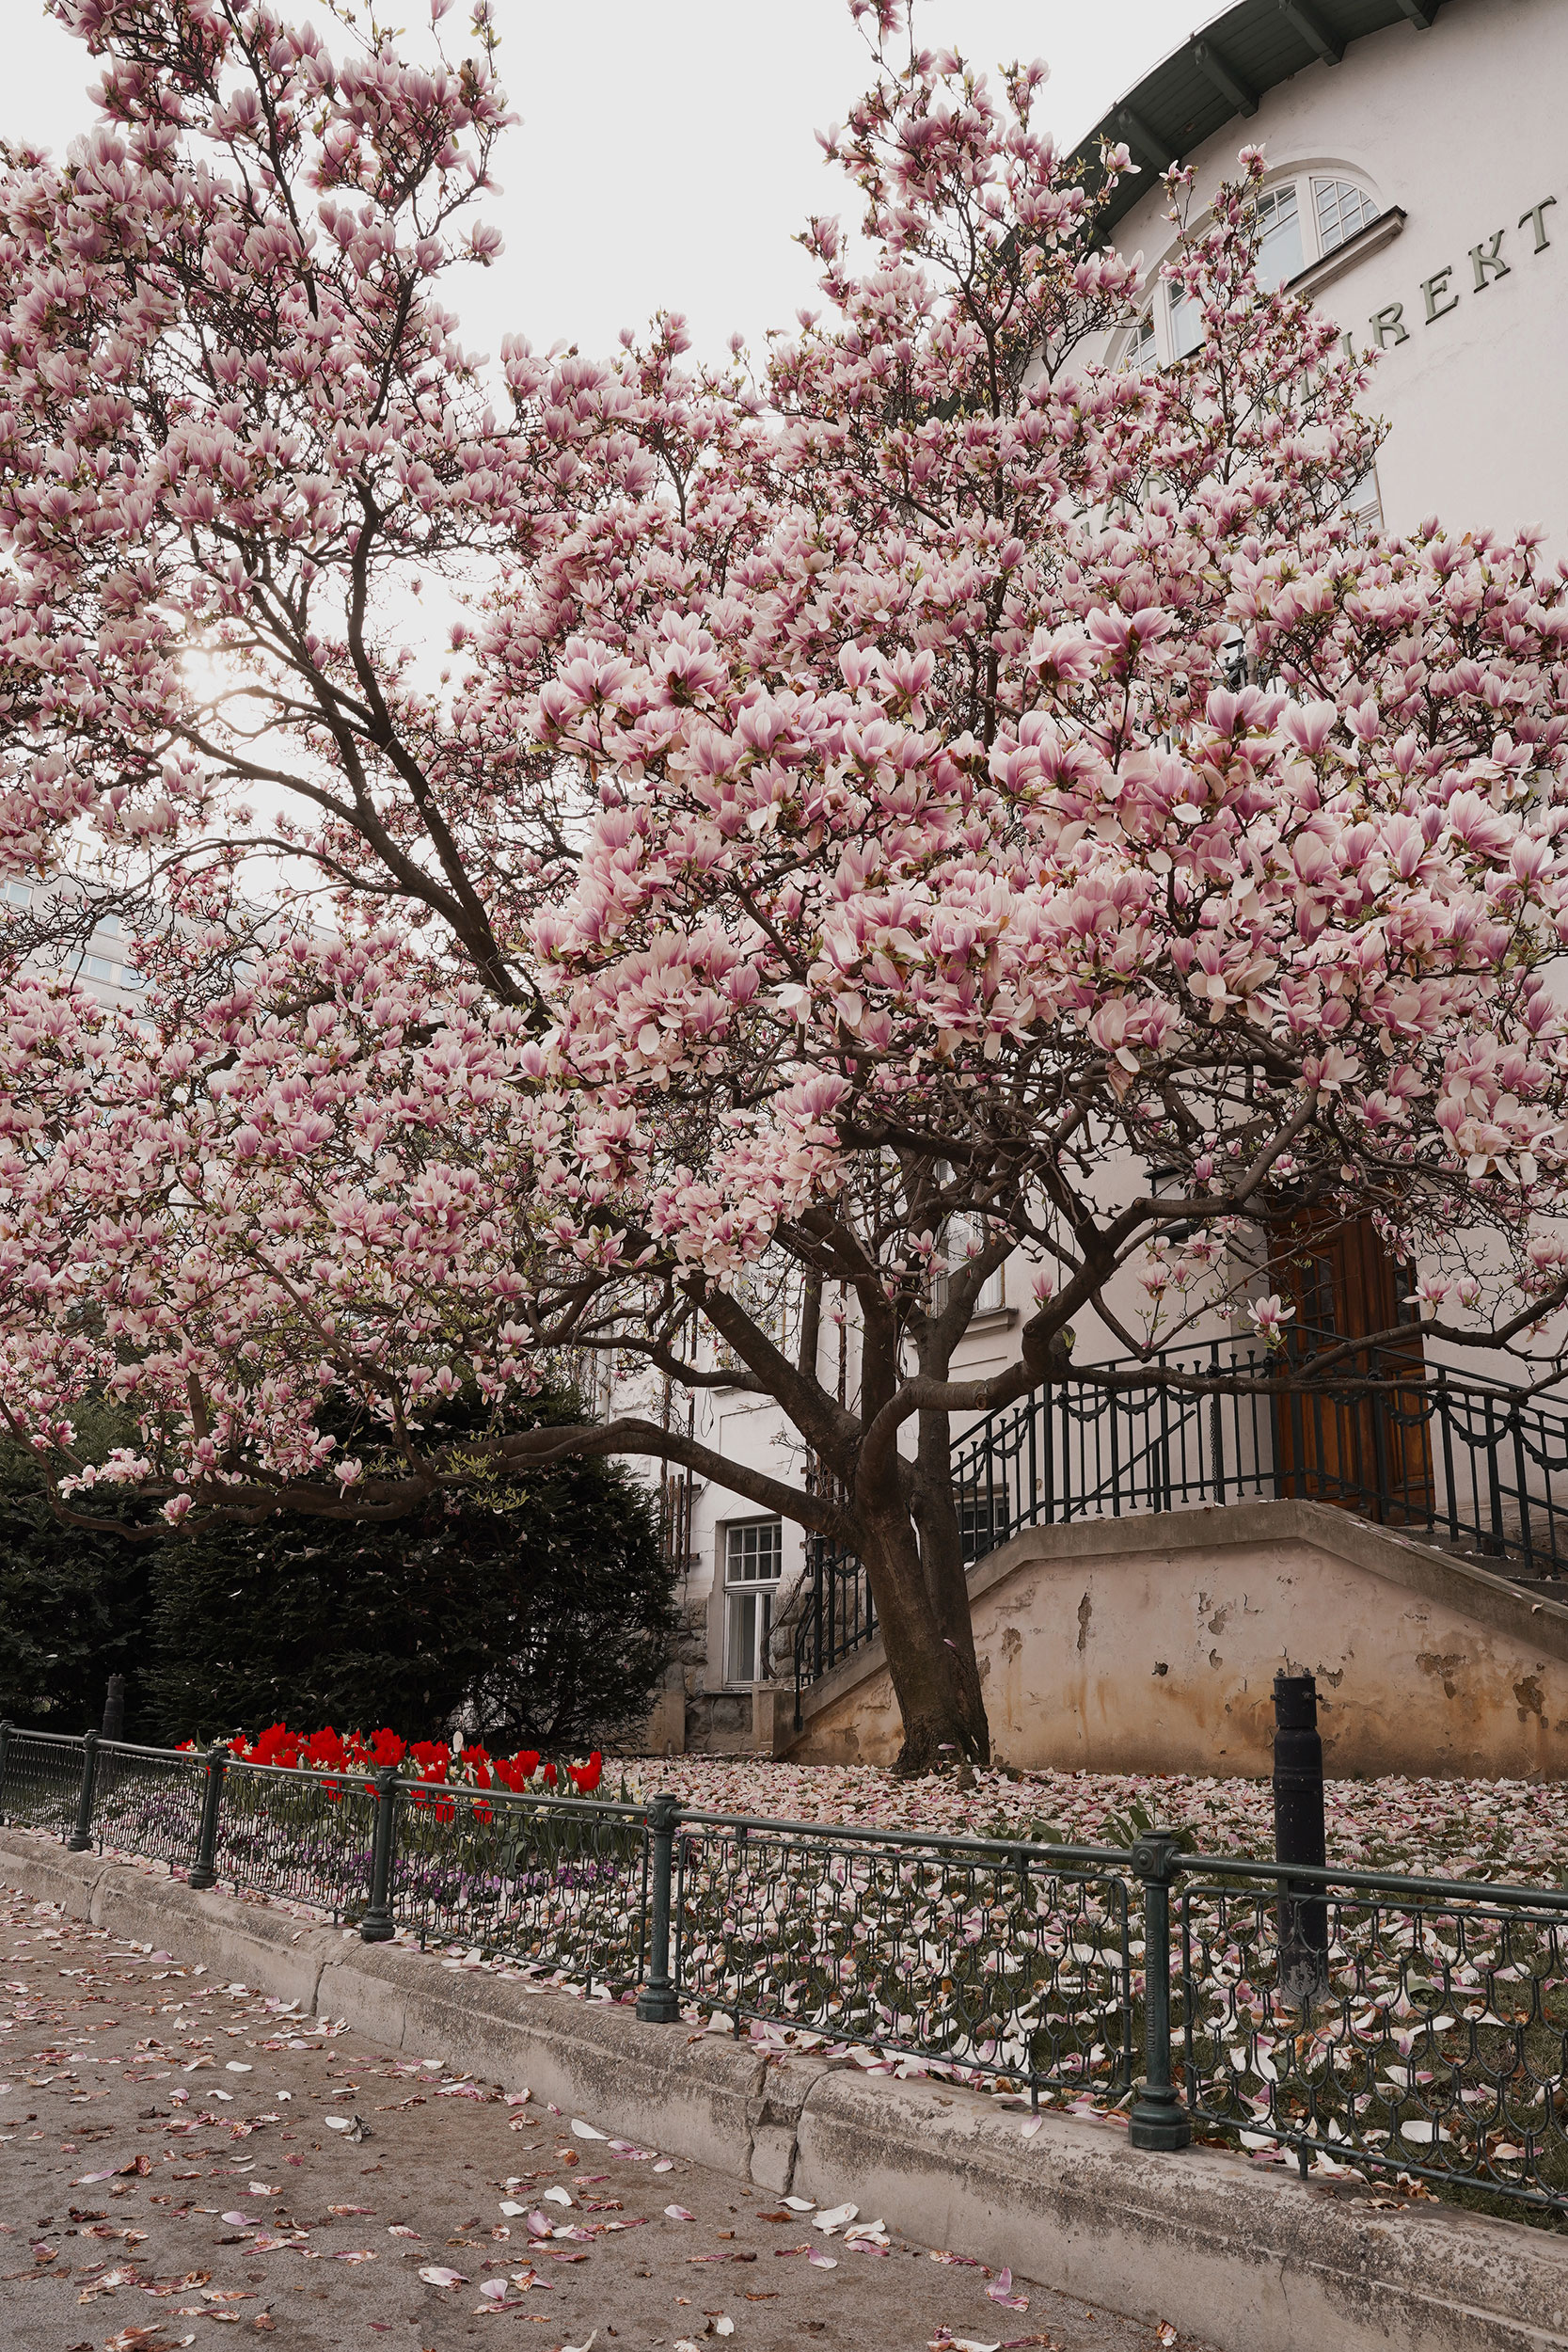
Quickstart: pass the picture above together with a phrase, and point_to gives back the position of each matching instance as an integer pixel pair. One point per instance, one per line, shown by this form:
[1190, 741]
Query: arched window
[1302, 218]
[1342, 211]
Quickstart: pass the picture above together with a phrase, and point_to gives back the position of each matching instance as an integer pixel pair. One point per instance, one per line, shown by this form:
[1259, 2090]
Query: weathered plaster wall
[1151, 1645]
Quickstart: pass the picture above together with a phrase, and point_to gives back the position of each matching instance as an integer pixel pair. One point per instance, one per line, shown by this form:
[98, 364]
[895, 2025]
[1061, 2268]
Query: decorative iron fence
[1013, 1957]
[551, 1883]
[43, 1774]
[1437, 2048]
[1453, 1461]
[1430, 2041]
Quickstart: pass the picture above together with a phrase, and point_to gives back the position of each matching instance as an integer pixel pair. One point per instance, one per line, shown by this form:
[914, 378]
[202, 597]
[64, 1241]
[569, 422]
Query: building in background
[101, 962]
[1417, 191]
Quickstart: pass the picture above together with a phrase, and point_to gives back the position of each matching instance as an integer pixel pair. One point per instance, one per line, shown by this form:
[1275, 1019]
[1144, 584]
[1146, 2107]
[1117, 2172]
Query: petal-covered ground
[1500, 1830]
[176, 2154]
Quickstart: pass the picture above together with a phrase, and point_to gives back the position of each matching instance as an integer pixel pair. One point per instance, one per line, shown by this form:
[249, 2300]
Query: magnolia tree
[901, 795]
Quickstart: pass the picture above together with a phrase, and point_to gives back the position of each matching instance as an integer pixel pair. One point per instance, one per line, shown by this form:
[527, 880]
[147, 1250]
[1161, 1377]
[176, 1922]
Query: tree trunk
[941, 1559]
[933, 1670]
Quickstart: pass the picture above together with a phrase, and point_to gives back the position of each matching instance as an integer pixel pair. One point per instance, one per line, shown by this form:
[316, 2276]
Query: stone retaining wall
[1150, 1644]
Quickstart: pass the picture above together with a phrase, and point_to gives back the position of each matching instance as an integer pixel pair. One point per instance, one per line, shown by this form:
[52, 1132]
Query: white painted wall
[1461, 127]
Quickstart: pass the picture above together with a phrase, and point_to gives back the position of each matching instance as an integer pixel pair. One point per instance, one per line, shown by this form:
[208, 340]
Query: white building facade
[1418, 190]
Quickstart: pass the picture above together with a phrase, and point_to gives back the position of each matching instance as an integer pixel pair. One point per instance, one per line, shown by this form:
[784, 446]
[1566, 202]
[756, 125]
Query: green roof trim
[1222, 73]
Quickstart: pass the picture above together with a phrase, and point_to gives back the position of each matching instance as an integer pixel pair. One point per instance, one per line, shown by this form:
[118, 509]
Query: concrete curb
[1252, 2261]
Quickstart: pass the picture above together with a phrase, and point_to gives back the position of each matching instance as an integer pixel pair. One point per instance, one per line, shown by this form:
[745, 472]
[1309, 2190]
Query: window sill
[991, 1319]
[1376, 235]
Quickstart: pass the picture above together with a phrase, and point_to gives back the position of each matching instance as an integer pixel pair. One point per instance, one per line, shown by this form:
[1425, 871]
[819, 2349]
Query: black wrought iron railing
[1459, 1462]
[1432, 2045]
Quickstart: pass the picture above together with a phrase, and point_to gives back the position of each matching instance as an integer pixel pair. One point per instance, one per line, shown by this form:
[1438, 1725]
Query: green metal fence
[1432, 2042]
[1469, 1464]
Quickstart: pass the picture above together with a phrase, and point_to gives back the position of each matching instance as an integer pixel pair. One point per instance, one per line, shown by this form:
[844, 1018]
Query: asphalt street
[178, 2156]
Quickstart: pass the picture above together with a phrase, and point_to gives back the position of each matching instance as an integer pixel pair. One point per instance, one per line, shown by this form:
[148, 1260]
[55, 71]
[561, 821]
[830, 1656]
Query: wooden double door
[1370, 1452]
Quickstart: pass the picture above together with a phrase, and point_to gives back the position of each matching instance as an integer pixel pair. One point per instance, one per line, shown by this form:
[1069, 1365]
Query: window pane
[1140, 351]
[1186, 324]
[982, 1522]
[754, 1553]
[1343, 211]
[1279, 247]
[749, 1622]
[1362, 506]
[962, 1235]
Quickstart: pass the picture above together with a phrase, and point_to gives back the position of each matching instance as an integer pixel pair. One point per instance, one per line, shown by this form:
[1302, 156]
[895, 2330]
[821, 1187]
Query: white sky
[665, 155]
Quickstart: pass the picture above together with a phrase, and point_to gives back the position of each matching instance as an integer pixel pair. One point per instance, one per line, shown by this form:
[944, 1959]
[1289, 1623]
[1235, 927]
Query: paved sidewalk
[170, 2163]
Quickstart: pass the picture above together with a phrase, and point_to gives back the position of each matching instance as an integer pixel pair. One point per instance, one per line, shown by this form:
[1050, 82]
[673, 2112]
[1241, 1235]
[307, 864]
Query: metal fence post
[1492, 1544]
[658, 2004]
[1299, 1836]
[378, 1926]
[114, 1709]
[1446, 1425]
[204, 1869]
[1158, 2119]
[81, 1837]
[5, 1730]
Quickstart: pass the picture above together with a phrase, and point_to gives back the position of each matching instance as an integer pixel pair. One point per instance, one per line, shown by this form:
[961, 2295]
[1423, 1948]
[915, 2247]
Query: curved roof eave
[1222, 71]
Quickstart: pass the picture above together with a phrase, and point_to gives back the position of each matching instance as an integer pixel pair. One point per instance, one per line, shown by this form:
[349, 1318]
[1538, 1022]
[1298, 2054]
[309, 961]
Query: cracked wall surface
[1150, 1646]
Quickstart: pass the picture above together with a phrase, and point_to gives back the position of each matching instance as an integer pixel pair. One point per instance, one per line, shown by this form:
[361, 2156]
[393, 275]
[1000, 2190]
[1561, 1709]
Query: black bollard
[1299, 1836]
[114, 1709]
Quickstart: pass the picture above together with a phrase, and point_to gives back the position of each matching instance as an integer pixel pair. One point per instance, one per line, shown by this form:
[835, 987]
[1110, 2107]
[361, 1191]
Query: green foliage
[538, 1615]
[1138, 1820]
[74, 1606]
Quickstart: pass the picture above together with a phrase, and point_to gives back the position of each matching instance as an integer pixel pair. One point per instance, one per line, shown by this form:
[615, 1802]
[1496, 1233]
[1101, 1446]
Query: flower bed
[458, 1763]
[1515, 1830]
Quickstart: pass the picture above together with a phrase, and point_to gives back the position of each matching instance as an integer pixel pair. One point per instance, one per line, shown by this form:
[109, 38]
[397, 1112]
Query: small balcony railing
[1474, 1467]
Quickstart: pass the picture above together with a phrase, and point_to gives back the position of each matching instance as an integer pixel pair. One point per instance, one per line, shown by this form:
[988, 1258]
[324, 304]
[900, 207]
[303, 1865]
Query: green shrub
[539, 1616]
[75, 1607]
[538, 1612]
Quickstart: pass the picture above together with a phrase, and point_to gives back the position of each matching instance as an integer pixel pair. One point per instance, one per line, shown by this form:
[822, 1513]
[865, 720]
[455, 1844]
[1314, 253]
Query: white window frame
[992, 1294]
[1143, 342]
[1159, 309]
[751, 1554]
[958, 1232]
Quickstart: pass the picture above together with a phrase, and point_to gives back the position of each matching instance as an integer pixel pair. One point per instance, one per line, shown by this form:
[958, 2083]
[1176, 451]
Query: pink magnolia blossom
[866, 802]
